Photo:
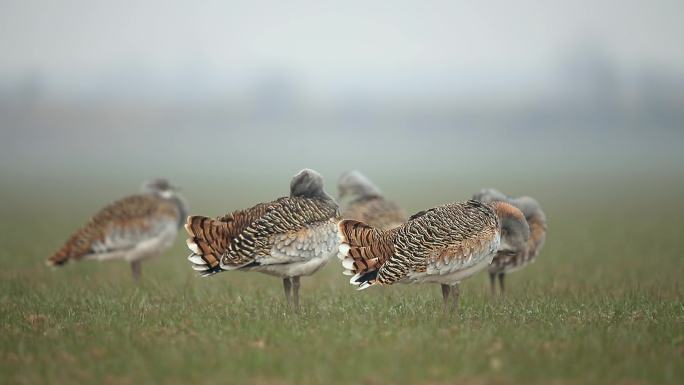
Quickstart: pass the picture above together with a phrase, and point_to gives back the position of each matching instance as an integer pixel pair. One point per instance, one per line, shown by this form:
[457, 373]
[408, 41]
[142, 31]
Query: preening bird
[289, 237]
[363, 201]
[133, 229]
[507, 261]
[444, 245]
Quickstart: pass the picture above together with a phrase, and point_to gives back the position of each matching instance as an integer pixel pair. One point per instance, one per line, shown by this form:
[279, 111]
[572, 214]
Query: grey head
[529, 206]
[514, 236]
[515, 231]
[489, 195]
[159, 186]
[309, 184]
[353, 184]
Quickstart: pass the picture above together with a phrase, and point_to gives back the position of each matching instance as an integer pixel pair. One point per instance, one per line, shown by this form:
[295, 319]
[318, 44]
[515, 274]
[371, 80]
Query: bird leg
[446, 289]
[455, 297]
[136, 270]
[492, 282]
[295, 290]
[287, 285]
[501, 281]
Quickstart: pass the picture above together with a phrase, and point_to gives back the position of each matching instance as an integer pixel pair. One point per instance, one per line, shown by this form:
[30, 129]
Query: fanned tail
[363, 250]
[208, 241]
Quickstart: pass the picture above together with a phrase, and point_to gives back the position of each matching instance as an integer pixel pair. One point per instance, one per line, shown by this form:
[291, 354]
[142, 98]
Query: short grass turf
[603, 304]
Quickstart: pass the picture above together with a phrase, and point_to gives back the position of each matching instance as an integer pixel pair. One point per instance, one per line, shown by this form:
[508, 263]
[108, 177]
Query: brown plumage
[132, 228]
[289, 237]
[248, 236]
[213, 237]
[445, 245]
[365, 202]
[512, 259]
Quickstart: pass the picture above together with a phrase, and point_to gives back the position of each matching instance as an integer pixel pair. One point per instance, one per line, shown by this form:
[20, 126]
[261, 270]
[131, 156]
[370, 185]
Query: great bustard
[363, 201]
[133, 229]
[507, 261]
[444, 245]
[289, 237]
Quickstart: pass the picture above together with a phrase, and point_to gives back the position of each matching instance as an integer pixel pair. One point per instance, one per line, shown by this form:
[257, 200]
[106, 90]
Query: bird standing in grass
[289, 237]
[444, 245]
[508, 261]
[363, 201]
[134, 228]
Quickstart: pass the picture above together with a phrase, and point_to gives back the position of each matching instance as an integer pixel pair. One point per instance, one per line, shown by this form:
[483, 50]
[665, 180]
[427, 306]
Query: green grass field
[604, 303]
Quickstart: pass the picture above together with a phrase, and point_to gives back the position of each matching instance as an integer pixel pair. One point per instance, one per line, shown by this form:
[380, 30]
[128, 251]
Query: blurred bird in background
[511, 259]
[134, 228]
[362, 200]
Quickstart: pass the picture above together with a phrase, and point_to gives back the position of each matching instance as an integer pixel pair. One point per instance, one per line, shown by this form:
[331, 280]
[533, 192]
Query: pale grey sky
[325, 43]
[518, 55]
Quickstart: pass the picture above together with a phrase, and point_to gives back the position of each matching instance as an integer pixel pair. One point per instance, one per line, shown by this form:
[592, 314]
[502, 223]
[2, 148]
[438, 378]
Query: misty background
[432, 99]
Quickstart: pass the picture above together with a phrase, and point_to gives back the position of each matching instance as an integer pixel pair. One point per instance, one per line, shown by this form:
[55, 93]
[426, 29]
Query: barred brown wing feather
[285, 215]
[210, 238]
[314, 240]
[364, 250]
[239, 220]
[448, 230]
[419, 214]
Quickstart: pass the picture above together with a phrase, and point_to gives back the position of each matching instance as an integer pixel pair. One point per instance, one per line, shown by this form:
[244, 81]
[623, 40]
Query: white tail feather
[196, 259]
[353, 280]
[344, 250]
[348, 263]
[193, 246]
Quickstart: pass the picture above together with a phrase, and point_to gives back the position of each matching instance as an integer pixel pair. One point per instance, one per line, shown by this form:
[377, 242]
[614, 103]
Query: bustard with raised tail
[289, 237]
[443, 245]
